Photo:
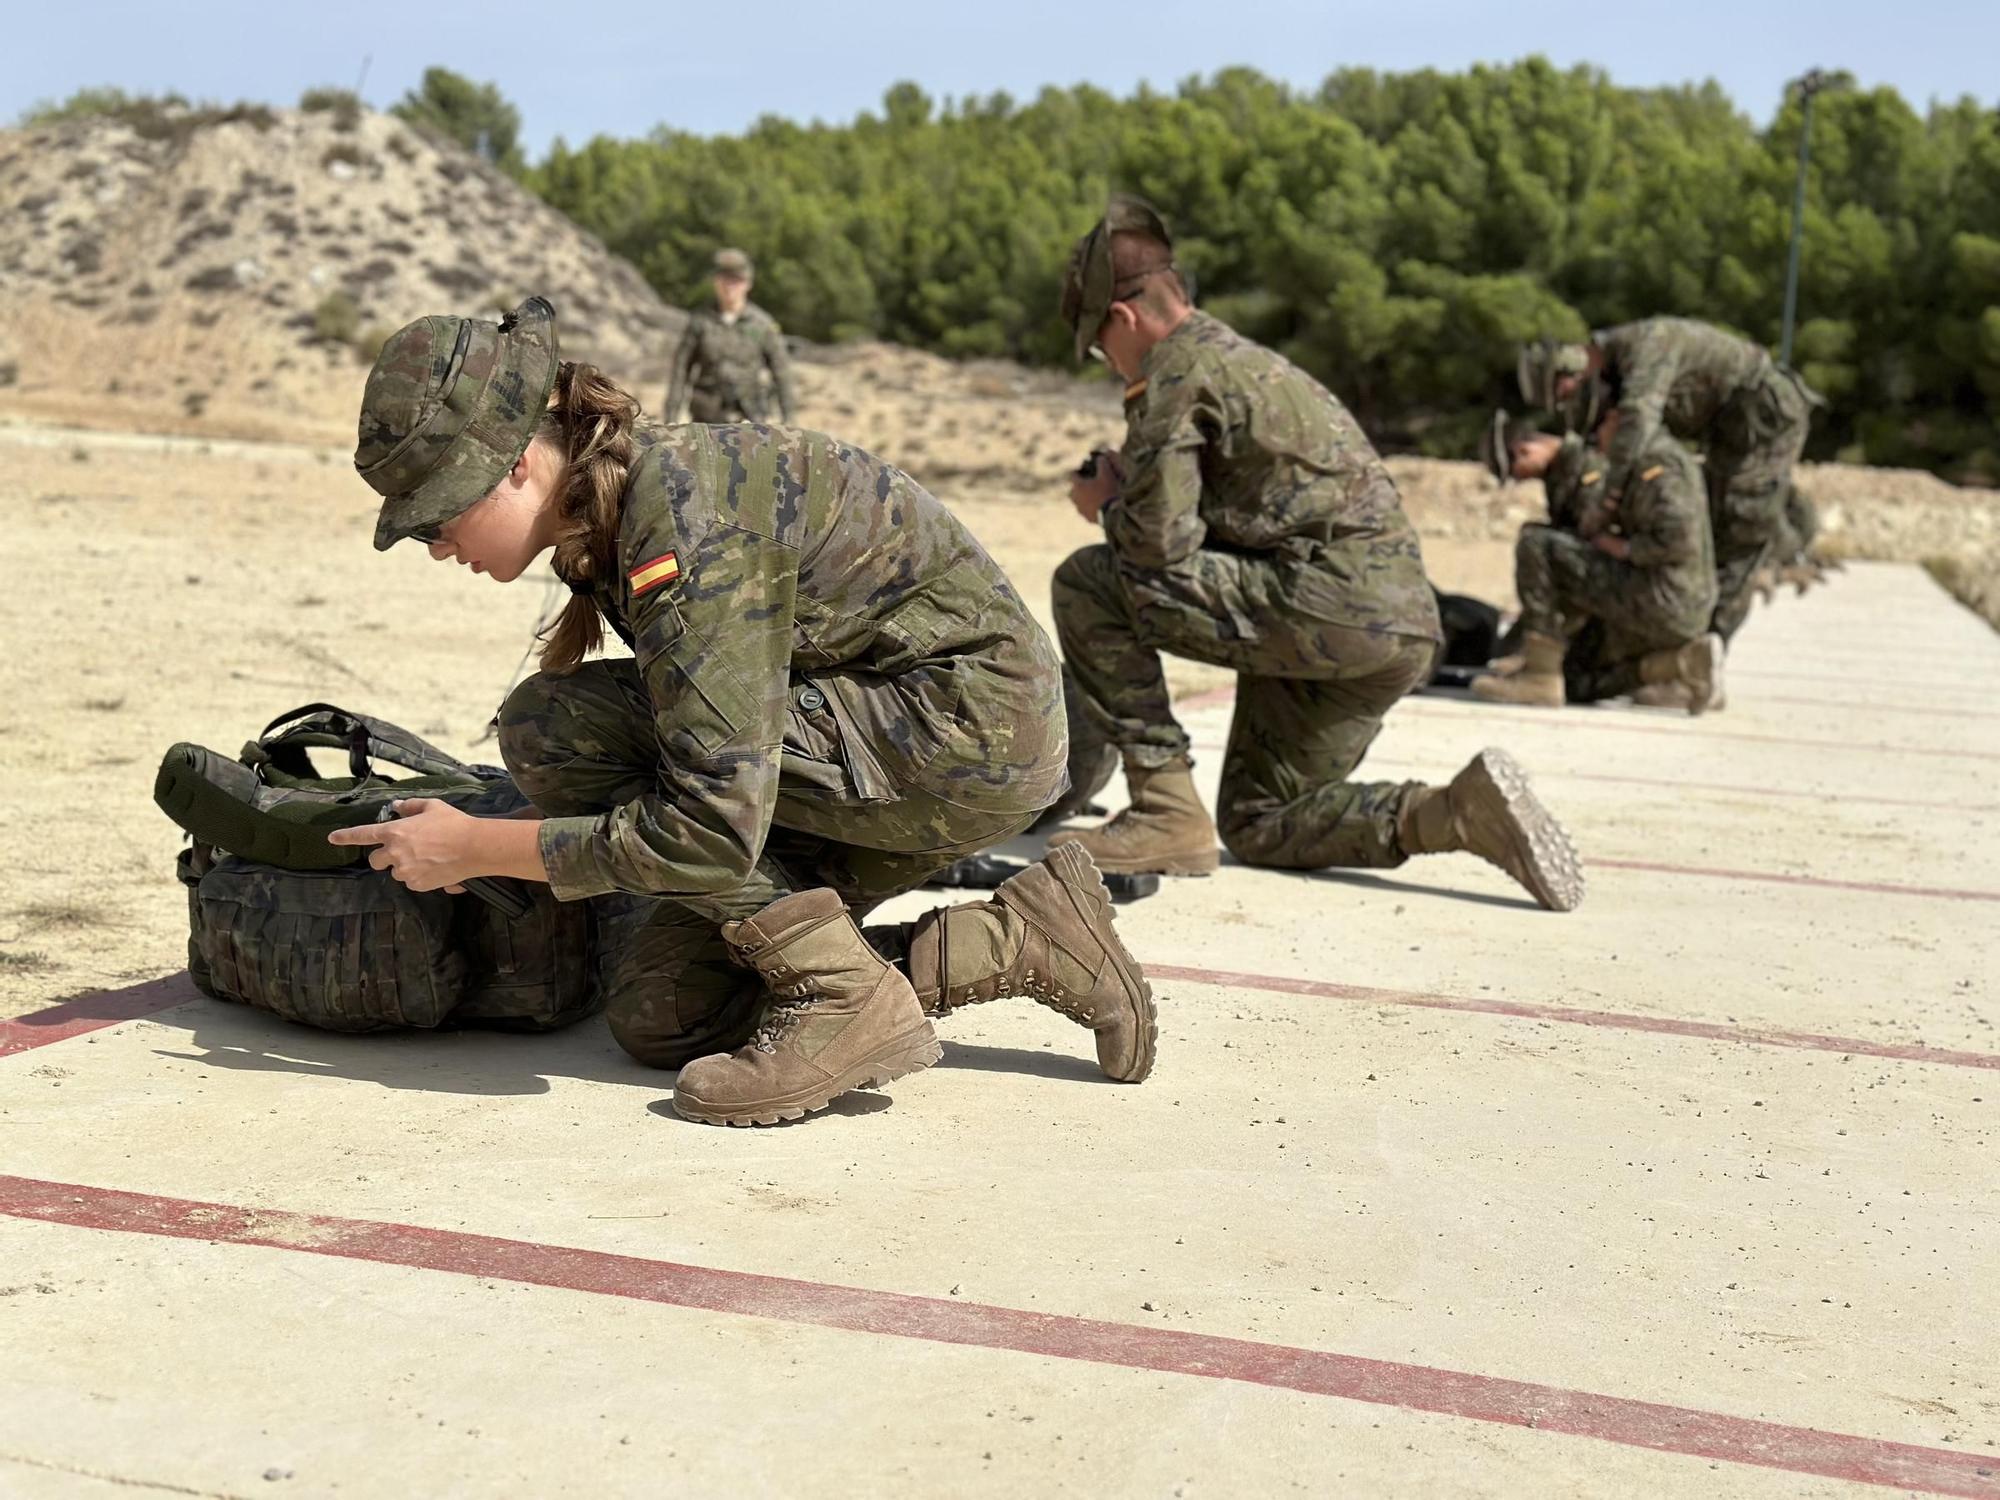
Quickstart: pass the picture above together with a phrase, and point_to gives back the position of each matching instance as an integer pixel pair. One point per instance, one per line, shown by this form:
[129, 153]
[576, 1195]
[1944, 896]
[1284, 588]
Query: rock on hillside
[235, 275]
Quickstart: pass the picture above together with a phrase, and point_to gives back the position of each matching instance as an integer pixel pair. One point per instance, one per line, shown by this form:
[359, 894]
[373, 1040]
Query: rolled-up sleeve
[714, 652]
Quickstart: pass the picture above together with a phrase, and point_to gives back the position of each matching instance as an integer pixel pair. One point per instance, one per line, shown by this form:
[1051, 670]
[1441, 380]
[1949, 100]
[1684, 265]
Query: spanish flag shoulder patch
[648, 576]
[1653, 473]
[1135, 390]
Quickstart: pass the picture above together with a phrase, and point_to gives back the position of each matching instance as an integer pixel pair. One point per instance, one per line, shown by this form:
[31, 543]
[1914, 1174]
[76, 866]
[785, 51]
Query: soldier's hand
[425, 847]
[1091, 495]
[1612, 546]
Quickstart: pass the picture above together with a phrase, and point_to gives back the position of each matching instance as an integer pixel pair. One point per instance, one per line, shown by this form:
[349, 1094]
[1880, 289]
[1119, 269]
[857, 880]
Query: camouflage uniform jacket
[780, 588]
[1230, 446]
[1574, 483]
[1672, 373]
[726, 362]
[1663, 516]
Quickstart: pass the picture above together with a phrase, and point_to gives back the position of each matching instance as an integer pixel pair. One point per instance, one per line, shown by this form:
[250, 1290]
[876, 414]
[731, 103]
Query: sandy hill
[226, 276]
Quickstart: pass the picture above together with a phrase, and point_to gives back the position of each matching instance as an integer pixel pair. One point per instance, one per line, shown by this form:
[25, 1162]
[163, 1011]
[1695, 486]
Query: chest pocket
[699, 703]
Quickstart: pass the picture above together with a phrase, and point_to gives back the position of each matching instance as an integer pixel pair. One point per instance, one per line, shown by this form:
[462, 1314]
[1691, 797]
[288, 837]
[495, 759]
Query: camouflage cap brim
[1089, 286]
[1493, 448]
[450, 407]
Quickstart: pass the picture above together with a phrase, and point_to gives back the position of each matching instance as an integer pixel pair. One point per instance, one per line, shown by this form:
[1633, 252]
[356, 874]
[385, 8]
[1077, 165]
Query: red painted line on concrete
[1482, 1398]
[1714, 1031]
[1772, 877]
[89, 1013]
[1844, 799]
[1874, 709]
[1599, 718]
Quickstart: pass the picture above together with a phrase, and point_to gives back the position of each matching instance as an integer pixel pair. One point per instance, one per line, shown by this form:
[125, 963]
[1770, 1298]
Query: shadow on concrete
[1393, 887]
[1442, 893]
[981, 1058]
[235, 1038]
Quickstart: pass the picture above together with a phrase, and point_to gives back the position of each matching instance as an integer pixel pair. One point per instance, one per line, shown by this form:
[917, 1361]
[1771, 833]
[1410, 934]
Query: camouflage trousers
[712, 407]
[1310, 697]
[1563, 581]
[1753, 505]
[584, 743]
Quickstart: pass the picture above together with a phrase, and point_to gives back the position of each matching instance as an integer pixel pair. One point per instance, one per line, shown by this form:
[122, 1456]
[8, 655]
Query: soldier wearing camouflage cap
[833, 692]
[1248, 523]
[731, 359]
[1699, 384]
[1615, 592]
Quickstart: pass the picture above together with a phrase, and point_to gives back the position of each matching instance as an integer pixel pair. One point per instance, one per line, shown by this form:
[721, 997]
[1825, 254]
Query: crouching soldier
[1695, 382]
[1637, 573]
[833, 692]
[1248, 523]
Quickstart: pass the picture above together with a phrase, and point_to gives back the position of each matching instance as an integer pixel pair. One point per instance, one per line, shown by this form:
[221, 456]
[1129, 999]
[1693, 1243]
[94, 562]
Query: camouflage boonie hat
[450, 406]
[1540, 364]
[1088, 288]
[734, 263]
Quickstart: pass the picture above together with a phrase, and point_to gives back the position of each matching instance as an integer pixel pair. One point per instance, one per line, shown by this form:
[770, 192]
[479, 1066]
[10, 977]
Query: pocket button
[811, 699]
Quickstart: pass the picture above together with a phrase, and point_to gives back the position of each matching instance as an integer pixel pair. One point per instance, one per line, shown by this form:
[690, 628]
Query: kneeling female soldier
[833, 693]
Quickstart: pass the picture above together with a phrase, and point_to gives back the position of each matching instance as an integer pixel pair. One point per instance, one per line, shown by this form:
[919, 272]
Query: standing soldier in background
[1703, 386]
[722, 359]
[1249, 523]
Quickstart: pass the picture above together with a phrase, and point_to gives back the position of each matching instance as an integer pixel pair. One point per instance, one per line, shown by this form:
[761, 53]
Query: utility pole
[361, 82]
[1809, 85]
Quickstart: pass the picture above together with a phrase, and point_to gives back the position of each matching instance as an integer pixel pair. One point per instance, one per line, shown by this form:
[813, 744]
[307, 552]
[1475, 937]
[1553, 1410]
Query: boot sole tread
[1550, 868]
[907, 1054]
[1071, 871]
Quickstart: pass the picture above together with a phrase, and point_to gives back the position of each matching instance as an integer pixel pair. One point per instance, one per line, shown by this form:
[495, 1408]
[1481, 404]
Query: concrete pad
[1626, 1192]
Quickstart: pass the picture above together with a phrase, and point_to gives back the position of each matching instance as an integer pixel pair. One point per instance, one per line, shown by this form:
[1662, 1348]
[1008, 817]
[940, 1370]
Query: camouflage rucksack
[281, 920]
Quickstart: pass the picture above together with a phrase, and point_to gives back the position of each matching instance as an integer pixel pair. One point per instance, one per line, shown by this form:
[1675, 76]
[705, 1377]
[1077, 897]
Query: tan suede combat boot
[1489, 810]
[1538, 684]
[1694, 668]
[1166, 830]
[839, 1018]
[1047, 934]
[1663, 695]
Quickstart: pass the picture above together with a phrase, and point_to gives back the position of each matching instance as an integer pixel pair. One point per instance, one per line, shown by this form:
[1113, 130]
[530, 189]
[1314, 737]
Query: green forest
[1396, 234]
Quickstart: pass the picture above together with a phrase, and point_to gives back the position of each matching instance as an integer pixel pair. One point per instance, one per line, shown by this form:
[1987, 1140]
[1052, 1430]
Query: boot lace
[781, 1015]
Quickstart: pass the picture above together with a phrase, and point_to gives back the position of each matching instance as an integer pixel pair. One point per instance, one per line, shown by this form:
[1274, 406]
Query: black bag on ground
[339, 945]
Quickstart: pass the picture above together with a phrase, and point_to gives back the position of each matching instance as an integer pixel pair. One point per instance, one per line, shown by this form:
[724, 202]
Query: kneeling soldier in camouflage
[1697, 383]
[1248, 522]
[833, 692]
[1643, 567]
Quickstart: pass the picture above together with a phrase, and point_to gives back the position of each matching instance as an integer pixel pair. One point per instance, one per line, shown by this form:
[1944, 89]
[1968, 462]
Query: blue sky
[620, 67]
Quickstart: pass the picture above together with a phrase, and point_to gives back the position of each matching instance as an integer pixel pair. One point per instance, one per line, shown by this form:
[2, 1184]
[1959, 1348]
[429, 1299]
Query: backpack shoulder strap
[285, 740]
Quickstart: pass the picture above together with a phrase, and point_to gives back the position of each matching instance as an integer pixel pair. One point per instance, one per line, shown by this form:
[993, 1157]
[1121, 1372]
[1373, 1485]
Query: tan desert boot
[1538, 684]
[1047, 934]
[839, 1018]
[1489, 810]
[1696, 668]
[1166, 830]
[1663, 695]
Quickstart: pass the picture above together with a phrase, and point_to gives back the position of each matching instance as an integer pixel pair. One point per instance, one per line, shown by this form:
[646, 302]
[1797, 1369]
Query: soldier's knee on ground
[672, 990]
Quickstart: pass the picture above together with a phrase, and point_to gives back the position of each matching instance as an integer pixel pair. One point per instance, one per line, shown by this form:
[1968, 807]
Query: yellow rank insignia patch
[1135, 390]
[1593, 476]
[1653, 473]
[648, 576]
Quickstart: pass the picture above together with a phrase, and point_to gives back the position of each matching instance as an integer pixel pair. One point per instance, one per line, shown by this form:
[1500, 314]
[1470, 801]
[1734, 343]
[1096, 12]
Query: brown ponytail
[589, 427]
